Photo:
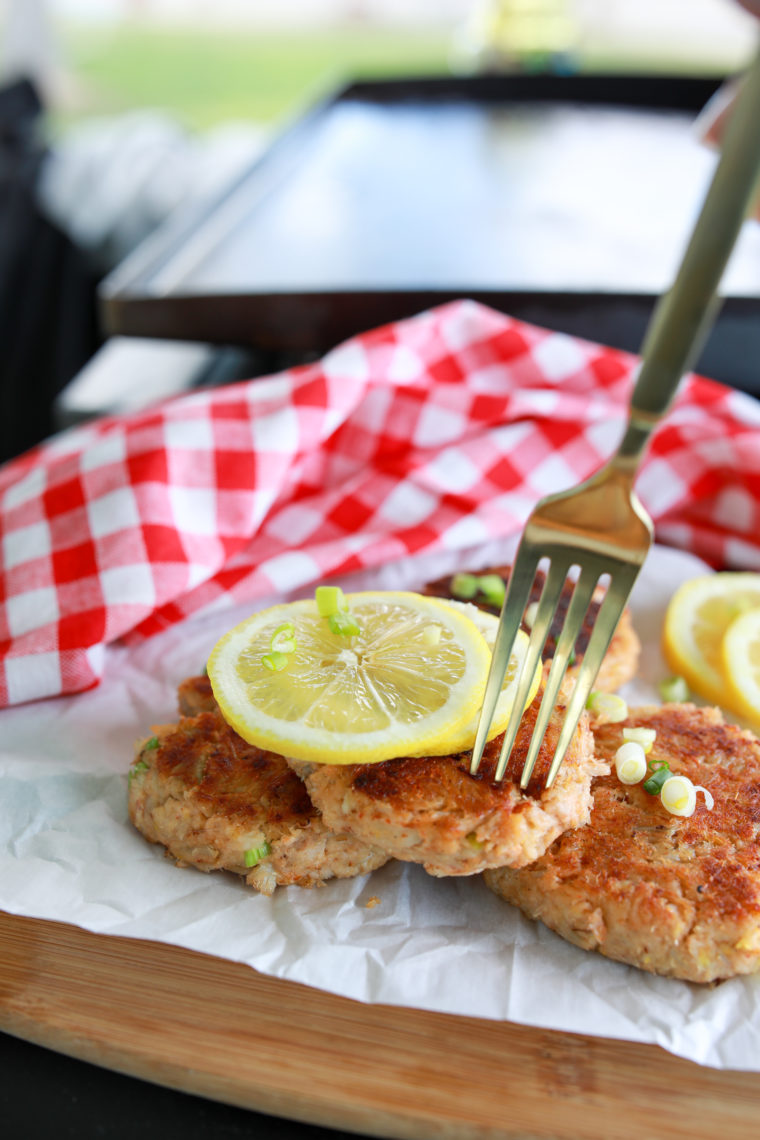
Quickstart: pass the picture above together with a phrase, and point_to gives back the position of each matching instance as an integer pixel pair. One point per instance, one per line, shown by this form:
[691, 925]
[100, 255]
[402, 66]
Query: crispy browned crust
[430, 810]
[621, 661]
[675, 896]
[195, 695]
[622, 658]
[208, 797]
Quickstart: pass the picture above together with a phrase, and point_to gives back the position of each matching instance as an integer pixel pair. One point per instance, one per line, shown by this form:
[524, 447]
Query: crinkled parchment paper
[69, 853]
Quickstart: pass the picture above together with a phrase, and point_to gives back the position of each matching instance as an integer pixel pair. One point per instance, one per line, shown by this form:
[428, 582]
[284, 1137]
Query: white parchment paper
[69, 853]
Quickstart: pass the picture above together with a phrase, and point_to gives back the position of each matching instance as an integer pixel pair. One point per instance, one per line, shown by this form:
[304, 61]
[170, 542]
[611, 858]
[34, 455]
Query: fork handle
[685, 314]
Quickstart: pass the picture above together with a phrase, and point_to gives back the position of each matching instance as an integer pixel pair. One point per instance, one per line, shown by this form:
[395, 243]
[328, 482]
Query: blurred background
[211, 62]
[116, 114]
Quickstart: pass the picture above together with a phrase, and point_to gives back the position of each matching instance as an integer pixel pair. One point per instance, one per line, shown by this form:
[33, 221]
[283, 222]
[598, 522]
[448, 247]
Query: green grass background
[210, 77]
[206, 78]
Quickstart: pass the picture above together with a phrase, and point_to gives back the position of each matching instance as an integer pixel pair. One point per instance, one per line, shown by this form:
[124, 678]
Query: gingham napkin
[434, 433]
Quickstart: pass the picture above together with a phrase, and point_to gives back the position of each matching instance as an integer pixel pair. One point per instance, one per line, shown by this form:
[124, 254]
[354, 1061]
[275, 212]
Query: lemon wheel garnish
[740, 651]
[389, 690]
[488, 626]
[696, 621]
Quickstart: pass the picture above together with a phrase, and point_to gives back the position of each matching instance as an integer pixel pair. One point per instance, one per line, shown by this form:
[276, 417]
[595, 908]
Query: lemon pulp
[488, 626]
[389, 690]
[740, 651]
[696, 623]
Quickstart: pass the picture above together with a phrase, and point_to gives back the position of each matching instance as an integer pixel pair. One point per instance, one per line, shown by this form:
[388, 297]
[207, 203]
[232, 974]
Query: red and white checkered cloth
[438, 432]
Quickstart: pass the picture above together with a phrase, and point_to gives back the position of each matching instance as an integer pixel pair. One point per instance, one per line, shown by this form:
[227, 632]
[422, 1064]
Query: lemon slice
[696, 621]
[411, 678]
[488, 626]
[740, 653]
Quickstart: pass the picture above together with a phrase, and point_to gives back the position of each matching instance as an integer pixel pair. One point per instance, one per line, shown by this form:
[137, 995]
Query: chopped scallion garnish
[630, 763]
[138, 767]
[679, 796]
[330, 600]
[529, 617]
[284, 638]
[254, 855]
[151, 744]
[608, 706]
[343, 625]
[333, 605]
[643, 736]
[674, 689]
[464, 586]
[275, 661]
[492, 587]
[661, 772]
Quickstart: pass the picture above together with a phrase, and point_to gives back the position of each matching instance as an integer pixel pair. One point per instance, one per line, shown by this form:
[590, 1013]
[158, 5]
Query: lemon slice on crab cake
[488, 626]
[386, 674]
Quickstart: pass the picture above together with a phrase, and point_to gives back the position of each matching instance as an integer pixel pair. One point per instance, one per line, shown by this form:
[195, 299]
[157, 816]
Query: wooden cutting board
[220, 1030]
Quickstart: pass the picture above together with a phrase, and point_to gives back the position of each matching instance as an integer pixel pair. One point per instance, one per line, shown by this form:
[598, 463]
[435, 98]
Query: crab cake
[675, 896]
[622, 657]
[195, 695]
[215, 802]
[430, 810]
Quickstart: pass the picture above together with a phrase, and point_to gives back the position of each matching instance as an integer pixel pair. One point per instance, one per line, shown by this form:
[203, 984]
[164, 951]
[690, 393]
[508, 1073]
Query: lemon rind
[735, 673]
[686, 659]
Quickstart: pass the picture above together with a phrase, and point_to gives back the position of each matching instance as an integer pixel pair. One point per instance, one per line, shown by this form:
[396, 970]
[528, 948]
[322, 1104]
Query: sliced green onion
[284, 638]
[464, 585]
[151, 744]
[709, 801]
[674, 689]
[254, 855]
[343, 625]
[330, 600]
[431, 635]
[138, 767]
[492, 587]
[333, 605]
[473, 841]
[660, 773]
[630, 763]
[608, 705]
[275, 661]
[679, 796]
[643, 736]
[529, 617]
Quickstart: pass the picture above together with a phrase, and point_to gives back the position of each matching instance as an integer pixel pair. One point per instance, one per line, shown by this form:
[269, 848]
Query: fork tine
[576, 612]
[604, 628]
[521, 579]
[555, 580]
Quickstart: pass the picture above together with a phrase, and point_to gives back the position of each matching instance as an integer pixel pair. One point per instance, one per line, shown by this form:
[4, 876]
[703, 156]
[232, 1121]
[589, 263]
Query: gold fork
[600, 527]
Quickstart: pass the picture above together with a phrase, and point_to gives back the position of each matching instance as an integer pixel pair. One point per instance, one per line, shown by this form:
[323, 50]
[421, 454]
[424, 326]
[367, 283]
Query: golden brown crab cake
[195, 695]
[621, 659]
[430, 810]
[215, 802]
[676, 896]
